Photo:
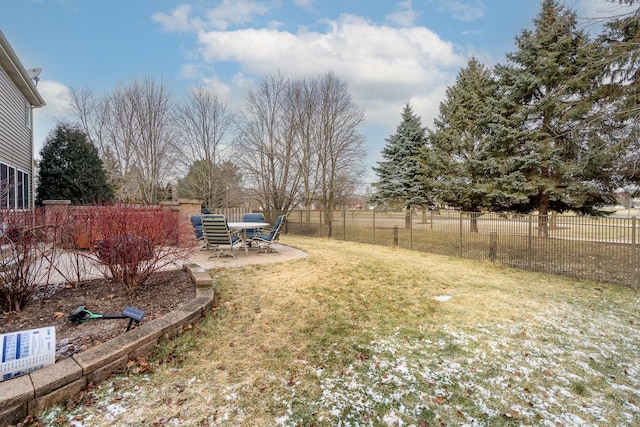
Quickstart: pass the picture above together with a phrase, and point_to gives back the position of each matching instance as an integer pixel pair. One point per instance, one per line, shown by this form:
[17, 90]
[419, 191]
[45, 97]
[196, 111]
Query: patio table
[243, 226]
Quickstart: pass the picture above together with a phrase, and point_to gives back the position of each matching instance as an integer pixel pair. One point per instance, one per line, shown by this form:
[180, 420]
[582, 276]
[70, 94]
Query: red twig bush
[21, 245]
[136, 241]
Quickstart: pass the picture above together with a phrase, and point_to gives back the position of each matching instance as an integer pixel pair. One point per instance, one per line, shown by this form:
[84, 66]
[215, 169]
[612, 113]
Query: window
[25, 191]
[20, 190]
[4, 184]
[27, 114]
[14, 188]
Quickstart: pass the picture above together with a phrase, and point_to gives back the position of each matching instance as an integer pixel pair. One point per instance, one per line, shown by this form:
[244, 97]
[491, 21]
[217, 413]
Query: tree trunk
[473, 224]
[407, 218]
[328, 215]
[543, 216]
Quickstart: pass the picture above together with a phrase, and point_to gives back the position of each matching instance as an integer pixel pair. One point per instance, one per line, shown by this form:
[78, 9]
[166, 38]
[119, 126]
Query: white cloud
[56, 96]
[462, 10]
[305, 4]
[237, 12]
[597, 9]
[190, 71]
[471, 32]
[178, 19]
[219, 87]
[381, 64]
[227, 13]
[405, 16]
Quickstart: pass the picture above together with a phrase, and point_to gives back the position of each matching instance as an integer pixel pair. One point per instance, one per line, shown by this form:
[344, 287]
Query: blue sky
[388, 52]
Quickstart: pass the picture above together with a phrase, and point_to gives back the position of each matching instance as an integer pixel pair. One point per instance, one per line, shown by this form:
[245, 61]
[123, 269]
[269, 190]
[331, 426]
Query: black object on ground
[82, 314]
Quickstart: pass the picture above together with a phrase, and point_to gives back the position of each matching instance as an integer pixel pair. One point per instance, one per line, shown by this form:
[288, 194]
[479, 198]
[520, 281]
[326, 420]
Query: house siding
[15, 131]
[18, 97]
[15, 134]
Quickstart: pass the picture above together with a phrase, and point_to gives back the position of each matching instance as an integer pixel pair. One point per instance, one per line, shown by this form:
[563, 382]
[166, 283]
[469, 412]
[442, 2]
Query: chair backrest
[196, 222]
[215, 229]
[277, 228]
[253, 217]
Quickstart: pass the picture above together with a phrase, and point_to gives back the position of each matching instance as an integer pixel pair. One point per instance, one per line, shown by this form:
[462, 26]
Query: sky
[389, 52]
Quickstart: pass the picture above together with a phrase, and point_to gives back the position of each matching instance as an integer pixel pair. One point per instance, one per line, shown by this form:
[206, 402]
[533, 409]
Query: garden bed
[164, 292]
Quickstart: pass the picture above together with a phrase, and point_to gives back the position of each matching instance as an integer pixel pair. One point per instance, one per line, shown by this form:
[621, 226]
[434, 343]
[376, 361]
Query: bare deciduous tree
[133, 128]
[300, 142]
[153, 120]
[204, 123]
[340, 144]
[266, 145]
[306, 95]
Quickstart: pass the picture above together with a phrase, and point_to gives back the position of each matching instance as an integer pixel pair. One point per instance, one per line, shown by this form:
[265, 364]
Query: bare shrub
[21, 243]
[70, 235]
[137, 241]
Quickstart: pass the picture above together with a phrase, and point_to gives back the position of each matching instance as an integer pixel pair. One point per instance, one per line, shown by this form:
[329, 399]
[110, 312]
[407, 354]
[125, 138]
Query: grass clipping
[356, 334]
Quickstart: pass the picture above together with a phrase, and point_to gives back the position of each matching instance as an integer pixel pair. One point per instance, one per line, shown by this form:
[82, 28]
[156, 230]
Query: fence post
[634, 248]
[344, 224]
[530, 243]
[493, 246]
[460, 237]
[410, 229]
[373, 234]
[395, 235]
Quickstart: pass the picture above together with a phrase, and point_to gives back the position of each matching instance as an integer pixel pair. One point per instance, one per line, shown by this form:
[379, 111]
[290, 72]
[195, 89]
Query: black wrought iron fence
[602, 249]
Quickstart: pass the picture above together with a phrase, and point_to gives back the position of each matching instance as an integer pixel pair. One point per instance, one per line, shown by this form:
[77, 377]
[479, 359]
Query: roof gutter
[18, 74]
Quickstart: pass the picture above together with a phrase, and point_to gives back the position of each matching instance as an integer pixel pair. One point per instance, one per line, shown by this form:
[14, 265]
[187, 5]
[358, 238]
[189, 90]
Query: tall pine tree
[618, 65]
[458, 140]
[71, 169]
[541, 155]
[400, 183]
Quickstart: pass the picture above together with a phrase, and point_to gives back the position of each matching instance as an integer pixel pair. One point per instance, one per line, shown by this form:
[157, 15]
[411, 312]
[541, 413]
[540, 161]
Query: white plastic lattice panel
[26, 351]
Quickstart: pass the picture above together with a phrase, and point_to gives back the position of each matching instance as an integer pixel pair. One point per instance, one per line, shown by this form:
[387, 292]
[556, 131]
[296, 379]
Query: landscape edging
[33, 392]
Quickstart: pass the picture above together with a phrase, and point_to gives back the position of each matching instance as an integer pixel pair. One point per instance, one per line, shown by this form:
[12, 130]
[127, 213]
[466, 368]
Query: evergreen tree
[618, 65]
[541, 155]
[400, 183]
[71, 169]
[458, 139]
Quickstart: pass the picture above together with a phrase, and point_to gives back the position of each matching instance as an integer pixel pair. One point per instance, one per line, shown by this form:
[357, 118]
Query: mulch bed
[163, 293]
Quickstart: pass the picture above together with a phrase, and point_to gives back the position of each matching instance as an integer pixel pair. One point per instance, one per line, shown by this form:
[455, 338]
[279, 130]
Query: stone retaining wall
[31, 393]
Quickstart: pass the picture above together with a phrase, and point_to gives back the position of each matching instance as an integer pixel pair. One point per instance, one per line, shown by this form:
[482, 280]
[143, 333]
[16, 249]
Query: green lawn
[359, 335]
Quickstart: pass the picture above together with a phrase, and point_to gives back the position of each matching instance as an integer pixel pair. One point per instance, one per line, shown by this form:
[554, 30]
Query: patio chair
[265, 241]
[250, 232]
[196, 222]
[216, 233]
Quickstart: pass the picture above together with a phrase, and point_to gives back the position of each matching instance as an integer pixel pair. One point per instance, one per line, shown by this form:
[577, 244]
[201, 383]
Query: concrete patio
[65, 263]
[280, 253]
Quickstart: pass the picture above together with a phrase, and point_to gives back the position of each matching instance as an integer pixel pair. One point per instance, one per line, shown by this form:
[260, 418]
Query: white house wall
[15, 126]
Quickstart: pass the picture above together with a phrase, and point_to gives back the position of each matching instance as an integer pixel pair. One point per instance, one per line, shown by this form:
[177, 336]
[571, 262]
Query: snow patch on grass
[541, 371]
